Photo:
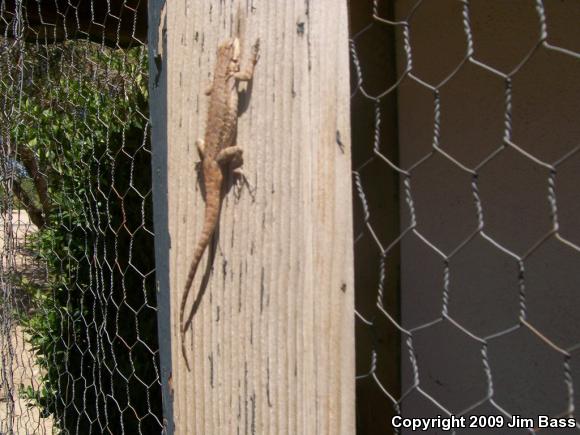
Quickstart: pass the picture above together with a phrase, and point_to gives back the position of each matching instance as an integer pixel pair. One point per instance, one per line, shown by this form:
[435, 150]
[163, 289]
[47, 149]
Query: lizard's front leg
[248, 72]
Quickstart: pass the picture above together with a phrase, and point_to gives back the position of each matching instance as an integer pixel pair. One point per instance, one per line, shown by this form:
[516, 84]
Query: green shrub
[83, 114]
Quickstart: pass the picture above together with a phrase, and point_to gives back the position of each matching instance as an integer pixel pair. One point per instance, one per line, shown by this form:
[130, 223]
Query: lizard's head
[230, 50]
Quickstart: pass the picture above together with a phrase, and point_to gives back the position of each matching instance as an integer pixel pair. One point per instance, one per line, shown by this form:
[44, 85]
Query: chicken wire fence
[466, 173]
[78, 347]
[466, 163]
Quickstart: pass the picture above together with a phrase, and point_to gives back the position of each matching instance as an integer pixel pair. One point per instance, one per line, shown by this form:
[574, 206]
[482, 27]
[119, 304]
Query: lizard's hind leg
[230, 155]
[234, 157]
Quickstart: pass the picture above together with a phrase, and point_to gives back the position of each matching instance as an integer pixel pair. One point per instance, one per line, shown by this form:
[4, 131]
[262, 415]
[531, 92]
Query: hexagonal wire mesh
[78, 342]
[78, 346]
[467, 293]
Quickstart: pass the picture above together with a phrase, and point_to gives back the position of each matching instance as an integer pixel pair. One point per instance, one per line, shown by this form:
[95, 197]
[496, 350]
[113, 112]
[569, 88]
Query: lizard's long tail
[213, 185]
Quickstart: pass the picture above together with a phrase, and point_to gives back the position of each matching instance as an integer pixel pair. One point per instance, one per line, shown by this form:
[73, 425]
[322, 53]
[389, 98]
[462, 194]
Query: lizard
[218, 149]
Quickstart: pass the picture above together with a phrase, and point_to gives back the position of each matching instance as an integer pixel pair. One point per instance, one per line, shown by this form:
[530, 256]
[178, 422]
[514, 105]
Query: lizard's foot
[200, 145]
[240, 180]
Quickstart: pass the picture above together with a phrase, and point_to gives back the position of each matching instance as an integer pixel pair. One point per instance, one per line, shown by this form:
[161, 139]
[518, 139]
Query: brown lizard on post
[218, 149]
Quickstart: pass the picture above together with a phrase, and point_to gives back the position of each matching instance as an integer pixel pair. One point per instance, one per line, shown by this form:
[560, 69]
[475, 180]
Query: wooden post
[272, 341]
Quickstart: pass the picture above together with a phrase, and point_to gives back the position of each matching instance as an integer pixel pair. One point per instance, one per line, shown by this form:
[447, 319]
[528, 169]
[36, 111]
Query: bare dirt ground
[17, 367]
